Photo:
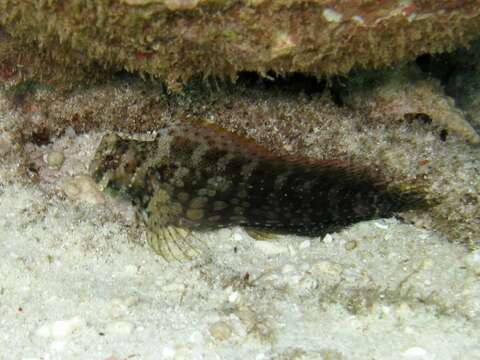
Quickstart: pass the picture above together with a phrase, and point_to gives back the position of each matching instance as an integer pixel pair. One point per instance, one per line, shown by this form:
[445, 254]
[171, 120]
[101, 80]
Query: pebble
[403, 311]
[287, 268]
[380, 225]
[415, 353]
[58, 345]
[221, 330]
[304, 245]
[234, 297]
[120, 327]
[308, 284]
[352, 244]
[270, 248]
[247, 316]
[168, 352]
[61, 329]
[323, 267]
[174, 287]
[237, 236]
[119, 307]
[84, 189]
[332, 16]
[55, 159]
[327, 239]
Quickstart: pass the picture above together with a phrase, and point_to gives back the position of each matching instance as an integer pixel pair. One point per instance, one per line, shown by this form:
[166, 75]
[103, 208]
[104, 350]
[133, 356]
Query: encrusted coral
[405, 95]
[176, 40]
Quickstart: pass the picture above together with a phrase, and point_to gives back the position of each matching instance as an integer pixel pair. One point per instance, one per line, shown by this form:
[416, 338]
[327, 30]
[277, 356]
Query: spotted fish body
[199, 177]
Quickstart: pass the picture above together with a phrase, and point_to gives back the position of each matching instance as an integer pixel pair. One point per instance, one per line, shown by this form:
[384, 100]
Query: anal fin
[174, 243]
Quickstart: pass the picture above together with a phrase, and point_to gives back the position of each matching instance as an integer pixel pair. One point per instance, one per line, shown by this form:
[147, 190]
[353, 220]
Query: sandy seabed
[76, 282]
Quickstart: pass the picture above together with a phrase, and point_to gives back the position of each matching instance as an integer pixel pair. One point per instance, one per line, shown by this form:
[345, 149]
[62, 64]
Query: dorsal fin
[224, 139]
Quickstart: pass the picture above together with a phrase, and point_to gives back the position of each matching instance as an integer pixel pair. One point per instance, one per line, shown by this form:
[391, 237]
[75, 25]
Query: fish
[197, 177]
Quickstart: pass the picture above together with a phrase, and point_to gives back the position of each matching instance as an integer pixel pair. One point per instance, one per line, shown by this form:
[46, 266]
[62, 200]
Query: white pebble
[221, 330]
[174, 287]
[44, 331]
[358, 19]
[118, 308]
[55, 159]
[64, 328]
[308, 284]
[332, 16]
[58, 345]
[270, 248]
[196, 337]
[120, 327]
[380, 225]
[131, 300]
[415, 353]
[168, 352]
[287, 268]
[327, 239]
[237, 236]
[83, 188]
[247, 316]
[234, 296]
[304, 245]
[352, 244]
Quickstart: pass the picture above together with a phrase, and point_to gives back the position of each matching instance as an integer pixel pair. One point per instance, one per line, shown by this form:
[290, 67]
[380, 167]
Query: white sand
[74, 285]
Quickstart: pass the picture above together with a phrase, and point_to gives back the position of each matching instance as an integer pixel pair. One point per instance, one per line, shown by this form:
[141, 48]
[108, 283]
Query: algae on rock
[176, 41]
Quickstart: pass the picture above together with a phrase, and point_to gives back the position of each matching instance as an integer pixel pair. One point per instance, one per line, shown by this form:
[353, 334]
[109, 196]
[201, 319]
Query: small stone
[287, 268]
[174, 287]
[168, 352]
[44, 331]
[304, 245]
[324, 267]
[308, 284]
[403, 311]
[83, 188]
[270, 248]
[237, 237]
[131, 301]
[55, 159]
[64, 328]
[118, 308]
[233, 297]
[352, 244]
[178, 4]
[120, 327]
[332, 16]
[427, 264]
[380, 225]
[58, 345]
[221, 330]
[327, 239]
[359, 20]
[283, 44]
[415, 353]
[247, 316]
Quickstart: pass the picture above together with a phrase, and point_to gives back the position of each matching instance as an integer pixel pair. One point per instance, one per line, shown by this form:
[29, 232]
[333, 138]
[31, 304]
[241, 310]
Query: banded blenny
[197, 177]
